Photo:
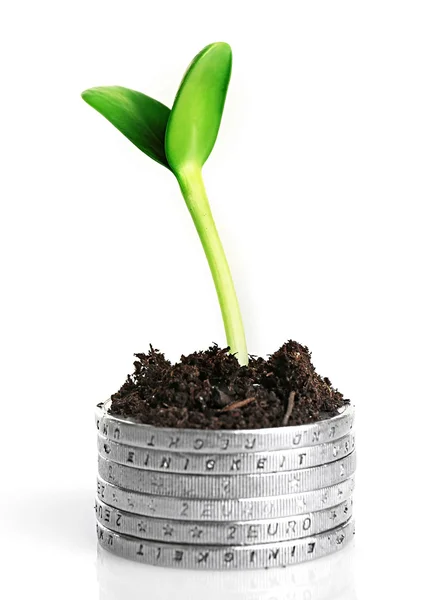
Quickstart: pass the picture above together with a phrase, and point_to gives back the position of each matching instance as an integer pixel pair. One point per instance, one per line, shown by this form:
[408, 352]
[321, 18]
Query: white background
[328, 183]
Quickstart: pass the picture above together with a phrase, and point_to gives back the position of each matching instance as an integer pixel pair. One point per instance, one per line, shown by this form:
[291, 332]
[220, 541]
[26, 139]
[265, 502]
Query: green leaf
[141, 119]
[195, 117]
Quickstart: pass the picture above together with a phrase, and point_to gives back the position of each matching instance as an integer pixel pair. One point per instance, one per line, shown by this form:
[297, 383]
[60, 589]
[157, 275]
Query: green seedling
[181, 139]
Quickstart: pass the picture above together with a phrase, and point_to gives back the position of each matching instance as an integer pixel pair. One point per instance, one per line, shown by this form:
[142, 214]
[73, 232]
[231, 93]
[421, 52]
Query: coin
[225, 557]
[328, 579]
[243, 509]
[219, 533]
[133, 433]
[221, 486]
[226, 464]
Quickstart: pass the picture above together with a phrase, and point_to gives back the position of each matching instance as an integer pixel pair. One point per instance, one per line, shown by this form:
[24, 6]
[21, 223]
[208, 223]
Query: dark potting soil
[210, 390]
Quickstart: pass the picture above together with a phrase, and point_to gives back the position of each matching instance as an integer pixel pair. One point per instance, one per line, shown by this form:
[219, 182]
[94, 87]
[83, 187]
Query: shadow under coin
[328, 578]
[66, 518]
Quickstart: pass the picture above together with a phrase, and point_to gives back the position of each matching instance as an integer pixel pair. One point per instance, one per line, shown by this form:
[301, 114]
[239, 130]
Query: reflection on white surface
[328, 578]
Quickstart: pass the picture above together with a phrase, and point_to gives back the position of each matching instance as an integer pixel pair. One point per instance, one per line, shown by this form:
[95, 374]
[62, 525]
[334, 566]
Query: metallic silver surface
[219, 533]
[225, 557]
[226, 464]
[220, 486]
[328, 579]
[133, 433]
[243, 509]
[224, 499]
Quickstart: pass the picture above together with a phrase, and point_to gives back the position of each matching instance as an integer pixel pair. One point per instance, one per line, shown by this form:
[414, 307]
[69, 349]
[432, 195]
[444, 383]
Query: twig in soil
[238, 404]
[290, 405]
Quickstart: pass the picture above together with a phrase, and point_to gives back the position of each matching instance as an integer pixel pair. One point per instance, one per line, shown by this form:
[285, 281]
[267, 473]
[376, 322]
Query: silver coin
[320, 580]
[221, 486]
[226, 464]
[226, 557]
[242, 509]
[133, 433]
[231, 533]
[327, 579]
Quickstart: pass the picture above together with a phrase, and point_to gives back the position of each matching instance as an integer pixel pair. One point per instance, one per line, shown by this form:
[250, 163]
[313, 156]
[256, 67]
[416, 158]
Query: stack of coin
[224, 499]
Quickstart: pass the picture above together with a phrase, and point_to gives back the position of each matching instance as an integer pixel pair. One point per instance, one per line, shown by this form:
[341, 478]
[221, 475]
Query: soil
[210, 390]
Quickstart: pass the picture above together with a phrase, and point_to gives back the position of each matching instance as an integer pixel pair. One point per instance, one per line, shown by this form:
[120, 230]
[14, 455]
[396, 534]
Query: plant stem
[194, 193]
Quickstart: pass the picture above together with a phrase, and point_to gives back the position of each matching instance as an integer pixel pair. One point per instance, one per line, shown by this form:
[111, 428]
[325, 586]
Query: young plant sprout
[217, 395]
[181, 139]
